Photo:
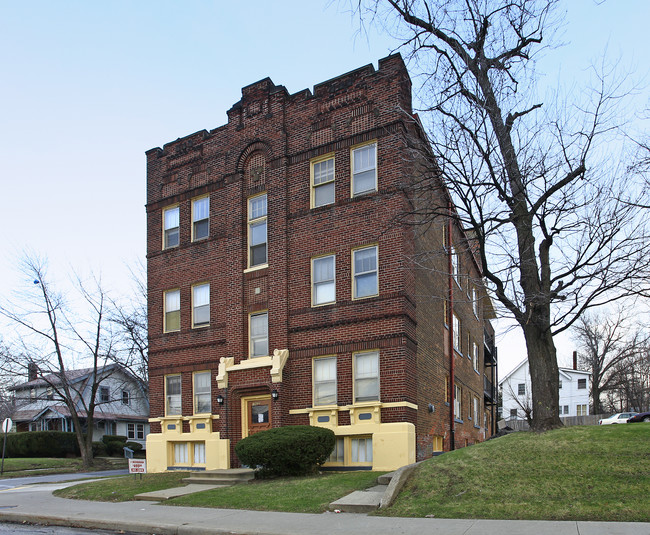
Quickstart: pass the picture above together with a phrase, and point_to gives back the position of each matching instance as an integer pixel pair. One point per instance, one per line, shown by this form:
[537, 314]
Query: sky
[87, 87]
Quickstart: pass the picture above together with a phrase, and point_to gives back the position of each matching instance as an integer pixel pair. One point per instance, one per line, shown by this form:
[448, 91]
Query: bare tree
[608, 350]
[52, 339]
[553, 229]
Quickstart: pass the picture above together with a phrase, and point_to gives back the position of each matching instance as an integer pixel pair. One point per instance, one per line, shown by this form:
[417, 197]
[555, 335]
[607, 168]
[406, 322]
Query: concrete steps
[221, 477]
[363, 501]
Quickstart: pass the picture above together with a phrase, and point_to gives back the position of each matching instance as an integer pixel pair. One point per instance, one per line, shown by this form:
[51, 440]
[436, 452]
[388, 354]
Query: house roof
[72, 376]
[61, 411]
[567, 372]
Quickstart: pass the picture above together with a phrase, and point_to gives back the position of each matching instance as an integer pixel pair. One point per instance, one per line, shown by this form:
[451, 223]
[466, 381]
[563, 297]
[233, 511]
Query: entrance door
[258, 412]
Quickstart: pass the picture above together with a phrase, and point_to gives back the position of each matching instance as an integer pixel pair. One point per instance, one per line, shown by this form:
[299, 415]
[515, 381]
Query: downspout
[450, 323]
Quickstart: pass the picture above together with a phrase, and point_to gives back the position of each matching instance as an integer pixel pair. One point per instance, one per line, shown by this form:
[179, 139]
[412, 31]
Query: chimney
[32, 371]
[575, 360]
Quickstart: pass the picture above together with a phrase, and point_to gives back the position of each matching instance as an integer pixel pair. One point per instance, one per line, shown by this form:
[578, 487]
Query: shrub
[113, 438]
[42, 444]
[135, 446]
[286, 451]
[99, 449]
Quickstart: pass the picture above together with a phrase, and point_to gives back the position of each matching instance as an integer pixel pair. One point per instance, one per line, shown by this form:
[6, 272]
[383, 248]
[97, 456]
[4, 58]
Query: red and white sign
[137, 466]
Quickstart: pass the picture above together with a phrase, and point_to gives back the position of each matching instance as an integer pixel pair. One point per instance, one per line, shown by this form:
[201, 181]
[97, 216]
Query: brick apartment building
[283, 289]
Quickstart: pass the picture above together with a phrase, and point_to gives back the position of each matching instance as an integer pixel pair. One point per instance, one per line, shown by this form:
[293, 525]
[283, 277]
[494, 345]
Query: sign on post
[137, 466]
[7, 424]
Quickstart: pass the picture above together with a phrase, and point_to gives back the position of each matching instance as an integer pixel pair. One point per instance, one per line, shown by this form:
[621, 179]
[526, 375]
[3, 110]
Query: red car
[641, 417]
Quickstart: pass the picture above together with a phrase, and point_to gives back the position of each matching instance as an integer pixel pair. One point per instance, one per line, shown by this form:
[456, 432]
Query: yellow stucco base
[202, 448]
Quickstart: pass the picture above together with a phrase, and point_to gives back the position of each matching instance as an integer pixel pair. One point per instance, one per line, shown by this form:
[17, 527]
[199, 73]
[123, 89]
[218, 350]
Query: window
[323, 272]
[126, 397]
[455, 265]
[582, 384]
[458, 413]
[366, 376]
[172, 311]
[475, 301]
[49, 393]
[202, 394]
[338, 453]
[257, 231]
[104, 394]
[325, 381]
[521, 389]
[475, 411]
[513, 413]
[361, 450]
[199, 452]
[172, 395]
[581, 410]
[258, 345]
[322, 176]
[200, 218]
[566, 409]
[170, 227]
[445, 312]
[200, 305]
[447, 390]
[180, 453]
[135, 431]
[457, 336]
[364, 169]
[560, 384]
[365, 272]
[475, 356]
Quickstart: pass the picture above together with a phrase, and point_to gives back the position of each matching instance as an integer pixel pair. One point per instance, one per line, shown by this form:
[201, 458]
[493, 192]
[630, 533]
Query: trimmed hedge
[42, 444]
[287, 451]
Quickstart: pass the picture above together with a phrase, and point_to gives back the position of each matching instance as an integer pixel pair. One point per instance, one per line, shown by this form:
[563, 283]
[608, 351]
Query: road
[26, 529]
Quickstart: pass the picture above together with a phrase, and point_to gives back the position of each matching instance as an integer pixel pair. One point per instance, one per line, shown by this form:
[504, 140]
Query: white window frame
[455, 265]
[104, 394]
[476, 411]
[327, 379]
[169, 230]
[253, 340]
[201, 304]
[371, 376]
[326, 179]
[166, 311]
[475, 302]
[458, 402]
[521, 389]
[197, 218]
[126, 397]
[200, 394]
[582, 382]
[458, 339]
[255, 220]
[357, 276]
[359, 153]
[325, 283]
[475, 355]
[361, 450]
[173, 399]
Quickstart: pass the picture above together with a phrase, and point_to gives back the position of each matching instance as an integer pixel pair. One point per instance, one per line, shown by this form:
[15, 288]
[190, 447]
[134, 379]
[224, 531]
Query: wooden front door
[258, 413]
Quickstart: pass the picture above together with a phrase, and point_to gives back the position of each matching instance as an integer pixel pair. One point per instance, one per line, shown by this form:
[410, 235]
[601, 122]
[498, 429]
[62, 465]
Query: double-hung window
[172, 300]
[126, 397]
[202, 404]
[455, 265]
[475, 355]
[458, 402]
[325, 381]
[171, 218]
[172, 395]
[582, 384]
[366, 376]
[323, 271]
[258, 345]
[364, 169]
[457, 334]
[322, 172]
[475, 411]
[521, 389]
[200, 218]
[475, 301]
[365, 272]
[201, 305]
[104, 394]
[135, 431]
[257, 212]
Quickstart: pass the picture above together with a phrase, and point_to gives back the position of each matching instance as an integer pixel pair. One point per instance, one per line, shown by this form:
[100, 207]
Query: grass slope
[576, 473]
[40, 466]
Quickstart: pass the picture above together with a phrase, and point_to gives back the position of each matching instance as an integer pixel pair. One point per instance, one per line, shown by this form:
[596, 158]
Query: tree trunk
[545, 378]
[595, 398]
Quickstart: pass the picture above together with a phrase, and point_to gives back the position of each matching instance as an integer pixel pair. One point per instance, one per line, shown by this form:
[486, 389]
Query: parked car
[640, 417]
[618, 418]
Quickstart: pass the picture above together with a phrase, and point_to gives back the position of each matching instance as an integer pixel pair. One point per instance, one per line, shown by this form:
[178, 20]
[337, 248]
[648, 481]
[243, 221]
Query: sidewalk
[35, 504]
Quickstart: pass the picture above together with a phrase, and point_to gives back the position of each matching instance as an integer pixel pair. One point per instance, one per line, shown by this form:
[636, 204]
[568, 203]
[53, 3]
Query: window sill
[256, 268]
[458, 421]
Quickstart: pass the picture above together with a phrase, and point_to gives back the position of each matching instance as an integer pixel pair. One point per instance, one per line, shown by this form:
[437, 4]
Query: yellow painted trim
[244, 410]
[367, 404]
[352, 149]
[311, 265]
[195, 199]
[222, 371]
[279, 359]
[256, 268]
[368, 246]
[312, 189]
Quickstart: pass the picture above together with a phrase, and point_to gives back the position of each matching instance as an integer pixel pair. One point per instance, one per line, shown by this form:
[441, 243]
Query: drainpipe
[450, 319]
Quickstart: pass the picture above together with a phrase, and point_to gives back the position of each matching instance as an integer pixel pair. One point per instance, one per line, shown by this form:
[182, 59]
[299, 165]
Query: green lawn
[38, 466]
[576, 473]
[297, 494]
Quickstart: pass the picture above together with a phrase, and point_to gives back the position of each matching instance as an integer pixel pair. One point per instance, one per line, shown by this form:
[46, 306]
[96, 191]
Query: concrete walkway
[35, 504]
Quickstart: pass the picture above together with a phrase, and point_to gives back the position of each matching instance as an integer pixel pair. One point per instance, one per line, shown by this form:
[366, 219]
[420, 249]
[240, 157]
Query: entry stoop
[221, 477]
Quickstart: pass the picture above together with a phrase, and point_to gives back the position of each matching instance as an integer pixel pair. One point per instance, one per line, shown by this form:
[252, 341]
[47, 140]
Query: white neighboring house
[122, 404]
[517, 397]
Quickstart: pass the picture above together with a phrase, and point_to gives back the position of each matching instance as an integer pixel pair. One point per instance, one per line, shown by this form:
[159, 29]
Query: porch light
[275, 395]
[220, 399]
